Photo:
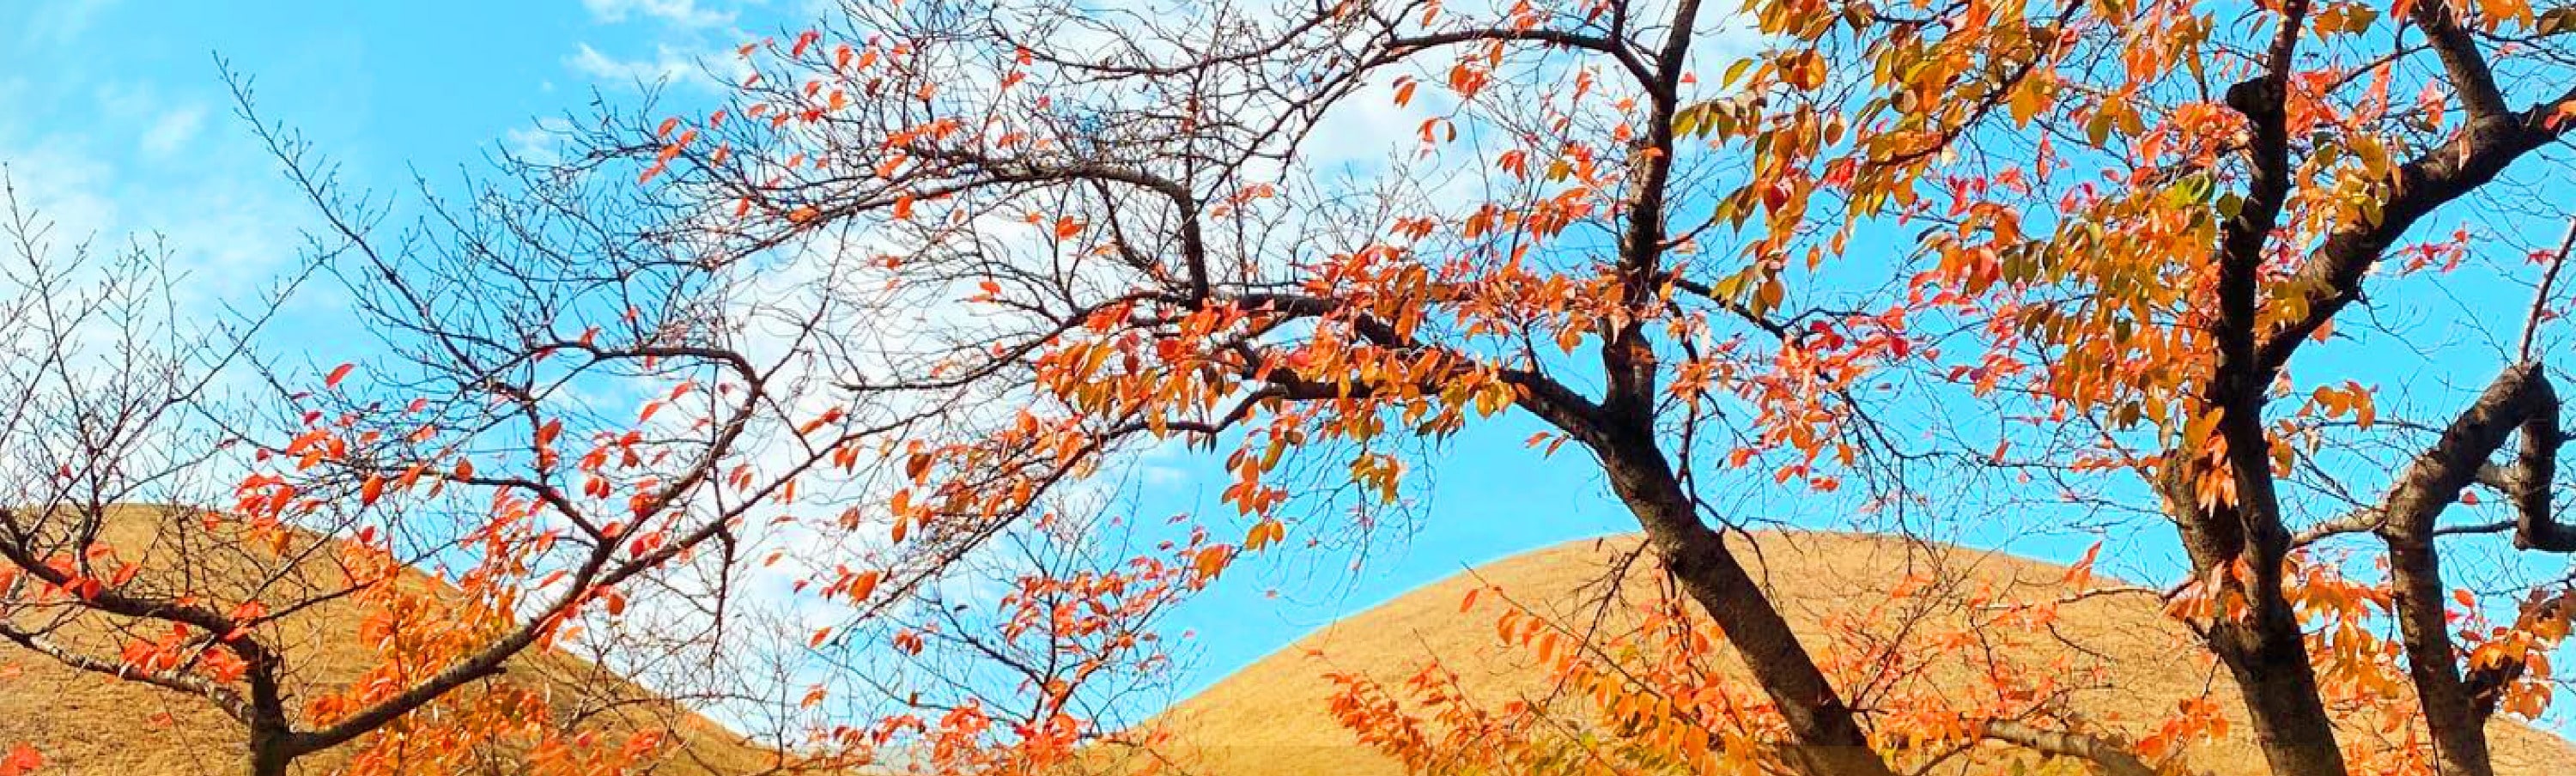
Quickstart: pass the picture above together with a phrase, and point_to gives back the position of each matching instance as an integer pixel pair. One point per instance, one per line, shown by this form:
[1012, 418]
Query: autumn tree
[1810, 244]
[385, 563]
[934, 268]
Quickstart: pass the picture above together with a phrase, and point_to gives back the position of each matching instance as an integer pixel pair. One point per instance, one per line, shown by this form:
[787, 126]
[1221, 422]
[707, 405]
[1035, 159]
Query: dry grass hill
[1271, 719]
[91, 725]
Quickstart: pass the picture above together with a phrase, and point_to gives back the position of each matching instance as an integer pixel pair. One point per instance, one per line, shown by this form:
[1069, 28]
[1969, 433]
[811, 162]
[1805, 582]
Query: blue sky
[117, 123]
[121, 125]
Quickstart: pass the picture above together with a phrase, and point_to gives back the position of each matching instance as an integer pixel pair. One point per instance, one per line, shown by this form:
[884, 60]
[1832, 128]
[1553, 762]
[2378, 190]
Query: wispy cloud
[163, 124]
[541, 142]
[146, 169]
[678, 13]
[61, 21]
[173, 130]
[668, 65]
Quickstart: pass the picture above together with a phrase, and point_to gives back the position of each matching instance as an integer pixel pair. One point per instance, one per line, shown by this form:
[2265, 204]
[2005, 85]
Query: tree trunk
[1829, 741]
[268, 755]
[2459, 740]
[2280, 692]
[2263, 648]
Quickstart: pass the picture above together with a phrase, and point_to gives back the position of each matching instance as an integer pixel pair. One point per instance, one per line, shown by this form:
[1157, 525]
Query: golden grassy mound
[88, 723]
[1271, 718]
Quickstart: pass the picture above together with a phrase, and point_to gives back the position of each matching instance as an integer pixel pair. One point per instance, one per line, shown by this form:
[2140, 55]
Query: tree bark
[2113, 760]
[2414, 504]
[269, 754]
[1828, 738]
[2263, 647]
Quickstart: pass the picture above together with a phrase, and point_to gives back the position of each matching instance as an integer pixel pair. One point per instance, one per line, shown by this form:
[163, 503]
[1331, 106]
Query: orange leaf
[1264, 533]
[338, 373]
[1212, 560]
[22, 759]
[2082, 571]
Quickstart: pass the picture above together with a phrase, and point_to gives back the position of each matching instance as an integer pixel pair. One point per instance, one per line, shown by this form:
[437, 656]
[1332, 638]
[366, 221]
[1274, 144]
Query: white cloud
[148, 172]
[162, 124]
[61, 21]
[669, 65]
[227, 235]
[62, 187]
[173, 130]
[677, 13]
[541, 142]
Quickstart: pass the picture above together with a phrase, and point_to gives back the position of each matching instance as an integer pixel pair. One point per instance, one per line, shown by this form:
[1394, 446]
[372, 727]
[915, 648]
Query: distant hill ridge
[86, 724]
[1271, 717]
[1268, 719]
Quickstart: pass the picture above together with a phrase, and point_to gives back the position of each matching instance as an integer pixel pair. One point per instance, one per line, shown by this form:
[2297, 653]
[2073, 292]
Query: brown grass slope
[87, 723]
[1271, 718]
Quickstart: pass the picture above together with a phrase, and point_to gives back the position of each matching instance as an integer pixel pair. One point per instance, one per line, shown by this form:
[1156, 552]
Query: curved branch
[2468, 69]
[2427, 487]
[2113, 759]
[2332, 276]
[224, 697]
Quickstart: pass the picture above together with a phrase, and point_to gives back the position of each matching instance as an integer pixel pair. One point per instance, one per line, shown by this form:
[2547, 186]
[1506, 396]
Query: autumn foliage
[909, 301]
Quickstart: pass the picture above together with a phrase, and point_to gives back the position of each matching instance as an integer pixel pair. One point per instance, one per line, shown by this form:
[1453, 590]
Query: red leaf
[337, 374]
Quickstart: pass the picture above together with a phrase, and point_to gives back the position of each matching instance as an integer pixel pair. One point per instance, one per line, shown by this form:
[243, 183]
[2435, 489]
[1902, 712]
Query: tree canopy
[913, 296]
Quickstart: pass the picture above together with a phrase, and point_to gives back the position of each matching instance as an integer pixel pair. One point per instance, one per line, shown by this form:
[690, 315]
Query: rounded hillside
[1273, 718]
[85, 723]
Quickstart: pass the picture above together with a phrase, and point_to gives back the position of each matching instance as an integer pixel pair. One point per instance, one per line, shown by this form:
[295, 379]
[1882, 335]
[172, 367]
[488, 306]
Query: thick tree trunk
[2520, 397]
[2262, 645]
[1829, 741]
[268, 754]
[2280, 692]
[2450, 715]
